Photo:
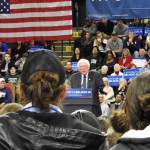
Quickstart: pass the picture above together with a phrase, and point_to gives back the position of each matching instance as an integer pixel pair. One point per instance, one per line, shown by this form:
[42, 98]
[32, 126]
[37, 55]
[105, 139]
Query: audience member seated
[120, 123]
[110, 61]
[86, 44]
[100, 41]
[142, 54]
[30, 44]
[138, 110]
[5, 65]
[108, 92]
[115, 44]
[13, 76]
[10, 107]
[147, 42]
[104, 71]
[121, 89]
[20, 63]
[17, 51]
[117, 70]
[118, 103]
[77, 55]
[146, 66]
[95, 59]
[3, 47]
[69, 70]
[5, 94]
[105, 26]
[86, 78]
[132, 43]
[136, 23]
[104, 105]
[121, 29]
[125, 60]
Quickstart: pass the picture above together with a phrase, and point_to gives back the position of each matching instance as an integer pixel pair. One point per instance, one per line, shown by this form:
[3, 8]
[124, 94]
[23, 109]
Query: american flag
[25, 20]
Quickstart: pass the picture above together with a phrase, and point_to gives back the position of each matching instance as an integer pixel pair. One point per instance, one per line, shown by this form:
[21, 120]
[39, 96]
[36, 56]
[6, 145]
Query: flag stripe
[3, 22]
[53, 28]
[36, 1]
[37, 19]
[27, 10]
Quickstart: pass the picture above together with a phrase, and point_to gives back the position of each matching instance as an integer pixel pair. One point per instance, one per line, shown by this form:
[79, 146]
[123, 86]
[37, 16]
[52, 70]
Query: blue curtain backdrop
[117, 9]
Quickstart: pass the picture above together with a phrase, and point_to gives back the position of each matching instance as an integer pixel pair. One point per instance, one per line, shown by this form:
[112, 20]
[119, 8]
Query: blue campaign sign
[114, 80]
[79, 93]
[146, 30]
[74, 66]
[117, 9]
[130, 73]
[36, 48]
[137, 30]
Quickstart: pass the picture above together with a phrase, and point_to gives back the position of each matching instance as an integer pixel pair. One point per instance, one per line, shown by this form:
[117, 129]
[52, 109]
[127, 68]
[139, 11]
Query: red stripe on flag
[35, 19]
[28, 29]
[26, 39]
[52, 9]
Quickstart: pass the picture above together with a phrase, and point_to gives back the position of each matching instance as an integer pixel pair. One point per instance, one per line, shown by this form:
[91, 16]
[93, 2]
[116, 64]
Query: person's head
[88, 22]
[117, 67]
[104, 21]
[119, 121]
[95, 51]
[131, 34]
[114, 36]
[24, 56]
[142, 52]
[11, 107]
[104, 69]
[138, 101]
[119, 23]
[42, 79]
[2, 83]
[101, 97]
[88, 36]
[125, 52]
[12, 70]
[7, 57]
[77, 51]
[123, 81]
[110, 55]
[99, 36]
[32, 42]
[136, 21]
[84, 66]
[133, 66]
[19, 42]
[69, 65]
[105, 81]
[118, 98]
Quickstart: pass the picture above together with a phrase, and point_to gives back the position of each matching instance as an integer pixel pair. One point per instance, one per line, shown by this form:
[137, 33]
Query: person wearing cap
[115, 44]
[41, 125]
[5, 95]
[20, 63]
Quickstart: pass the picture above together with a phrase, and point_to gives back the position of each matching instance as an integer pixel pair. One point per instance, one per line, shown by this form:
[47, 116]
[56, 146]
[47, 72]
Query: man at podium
[87, 79]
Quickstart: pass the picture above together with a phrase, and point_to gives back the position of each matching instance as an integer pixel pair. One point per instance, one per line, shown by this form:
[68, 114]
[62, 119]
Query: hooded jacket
[134, 140]
[47, 131]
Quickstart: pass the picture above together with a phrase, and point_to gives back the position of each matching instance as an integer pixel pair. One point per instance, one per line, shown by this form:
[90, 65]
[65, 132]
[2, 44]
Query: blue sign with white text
[137, 30]
[74, 66]
[36, 48]
[114, 80]
[117, 9]
[130, 73]
[79, 93]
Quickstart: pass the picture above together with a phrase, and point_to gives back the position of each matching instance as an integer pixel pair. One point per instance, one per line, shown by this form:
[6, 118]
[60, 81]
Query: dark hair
[43, 89]
[138, 101]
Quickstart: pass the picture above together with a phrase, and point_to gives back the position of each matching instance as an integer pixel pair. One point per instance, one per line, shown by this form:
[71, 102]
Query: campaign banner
[117, 9]
[36, 48]
[139, 62]
[130, 73]
[74, 66]
[114, 80]
[137, 30]
[79, 93]
[146, 30]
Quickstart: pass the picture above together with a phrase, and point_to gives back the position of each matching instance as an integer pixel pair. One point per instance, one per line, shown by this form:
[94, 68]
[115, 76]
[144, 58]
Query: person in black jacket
[41, 125]
[138, 111]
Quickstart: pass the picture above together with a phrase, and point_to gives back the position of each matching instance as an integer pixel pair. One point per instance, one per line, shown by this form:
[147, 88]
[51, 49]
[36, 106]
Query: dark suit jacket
[94, 82]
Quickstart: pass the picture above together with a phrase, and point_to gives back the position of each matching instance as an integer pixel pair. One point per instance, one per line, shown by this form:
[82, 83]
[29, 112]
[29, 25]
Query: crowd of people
[104, 49]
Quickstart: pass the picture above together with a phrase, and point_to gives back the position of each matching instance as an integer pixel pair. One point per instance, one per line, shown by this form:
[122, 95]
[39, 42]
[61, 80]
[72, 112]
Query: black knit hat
[44, 60]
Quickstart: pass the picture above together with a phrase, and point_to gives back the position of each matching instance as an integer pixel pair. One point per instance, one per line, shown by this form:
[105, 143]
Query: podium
[80, 99]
